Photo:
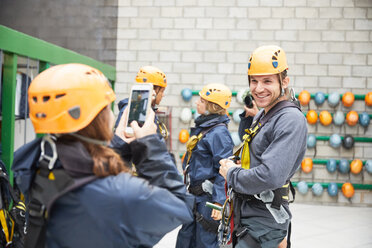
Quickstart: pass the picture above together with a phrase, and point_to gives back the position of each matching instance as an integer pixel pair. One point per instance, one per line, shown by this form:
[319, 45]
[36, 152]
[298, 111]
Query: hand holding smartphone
[139, 106]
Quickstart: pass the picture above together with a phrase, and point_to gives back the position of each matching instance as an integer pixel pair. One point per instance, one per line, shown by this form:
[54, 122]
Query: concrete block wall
[328, 44]
[86, 27]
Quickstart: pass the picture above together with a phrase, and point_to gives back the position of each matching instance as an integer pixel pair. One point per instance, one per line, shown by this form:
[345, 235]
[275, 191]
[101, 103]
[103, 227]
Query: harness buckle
[36, 210]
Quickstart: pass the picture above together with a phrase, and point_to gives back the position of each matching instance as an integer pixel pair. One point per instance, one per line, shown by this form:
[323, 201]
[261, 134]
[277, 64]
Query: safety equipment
[319, 98]
[364, 119]
[66, 98]
[335, 140]
[334, 99]
[348, 141]
[348, 190]
[153, 75]
[307, 165]
[186, 115]
[186, 94]
[348, 99]
[344, 166]
[236, 115]
[302, 187]
[312, 117]
[217, 93]
[368, 99]
[332, 189]
[356, 166]
[338, 118]
[352, 118]
[193, 141]
[311, 141]
[304, 97]
[183, 136]
[267, 60]
[49, 184]
[368, 166]
[317, 189]
[331, 165]
[12, 213]
[243, 150]
[325, 118]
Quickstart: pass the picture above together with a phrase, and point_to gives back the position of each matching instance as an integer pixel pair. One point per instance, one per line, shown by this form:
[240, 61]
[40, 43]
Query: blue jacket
[215, 145]
[122, 210]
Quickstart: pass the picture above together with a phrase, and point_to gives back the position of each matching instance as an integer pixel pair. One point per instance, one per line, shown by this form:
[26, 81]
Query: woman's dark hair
[105, 160]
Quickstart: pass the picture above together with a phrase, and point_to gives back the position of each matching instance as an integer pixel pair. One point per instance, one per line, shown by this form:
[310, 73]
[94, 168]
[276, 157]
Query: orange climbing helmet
[267, 60]
[348, 99]
[325, 118]
[304, 97]
[307, 165]
[219, 94]
[312, 117]
[153, 75]
[352, 118]
[66, 98]
[368, 99]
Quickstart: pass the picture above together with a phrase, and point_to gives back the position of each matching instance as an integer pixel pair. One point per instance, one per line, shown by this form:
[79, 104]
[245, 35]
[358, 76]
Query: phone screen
[138, 106]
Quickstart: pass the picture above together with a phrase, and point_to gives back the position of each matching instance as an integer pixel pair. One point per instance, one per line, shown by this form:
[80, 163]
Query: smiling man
[274, 146]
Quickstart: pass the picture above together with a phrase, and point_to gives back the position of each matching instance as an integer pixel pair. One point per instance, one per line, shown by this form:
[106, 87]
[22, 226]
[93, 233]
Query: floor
[320, 226]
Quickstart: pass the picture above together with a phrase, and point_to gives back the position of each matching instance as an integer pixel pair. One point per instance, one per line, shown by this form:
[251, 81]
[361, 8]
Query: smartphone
[139, 105]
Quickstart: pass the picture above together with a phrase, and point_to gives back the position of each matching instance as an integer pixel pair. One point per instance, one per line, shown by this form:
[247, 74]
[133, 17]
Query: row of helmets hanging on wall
[338, 118]
[325, 118]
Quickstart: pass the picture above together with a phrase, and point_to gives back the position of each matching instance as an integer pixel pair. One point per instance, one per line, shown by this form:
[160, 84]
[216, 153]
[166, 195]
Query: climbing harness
[163, 129]
[235, 199]
[12, 221]
[206, 187]
[50, 183]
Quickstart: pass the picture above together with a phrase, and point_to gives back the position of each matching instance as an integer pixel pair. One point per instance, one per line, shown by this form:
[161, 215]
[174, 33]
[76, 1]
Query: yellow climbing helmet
[217, 93]
[267, 60]
[151, 74]
[66, 98]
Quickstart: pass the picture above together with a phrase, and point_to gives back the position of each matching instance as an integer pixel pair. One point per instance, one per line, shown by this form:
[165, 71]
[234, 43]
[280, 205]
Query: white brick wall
[328, 45]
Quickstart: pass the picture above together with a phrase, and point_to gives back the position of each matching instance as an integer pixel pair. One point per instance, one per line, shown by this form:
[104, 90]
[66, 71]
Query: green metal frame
[14, 44]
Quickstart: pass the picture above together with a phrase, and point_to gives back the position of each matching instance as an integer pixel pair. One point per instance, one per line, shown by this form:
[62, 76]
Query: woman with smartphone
[79, 191]
[210, 141]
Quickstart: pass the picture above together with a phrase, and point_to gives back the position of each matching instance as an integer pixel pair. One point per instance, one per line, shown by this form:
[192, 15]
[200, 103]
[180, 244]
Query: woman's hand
[216, 214]
[120, 129]
[251, 111]
[147, 129]
[226, 164]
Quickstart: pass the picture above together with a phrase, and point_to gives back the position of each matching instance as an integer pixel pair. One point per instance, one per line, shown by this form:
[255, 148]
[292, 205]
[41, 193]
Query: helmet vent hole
[60, 95]
[46, 98]
[40, 115]
[274, 58]
[34, 98]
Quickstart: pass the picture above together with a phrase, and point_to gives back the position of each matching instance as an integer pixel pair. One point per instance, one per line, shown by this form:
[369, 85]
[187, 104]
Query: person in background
[274, 146]
[210, 141]
[80, 193]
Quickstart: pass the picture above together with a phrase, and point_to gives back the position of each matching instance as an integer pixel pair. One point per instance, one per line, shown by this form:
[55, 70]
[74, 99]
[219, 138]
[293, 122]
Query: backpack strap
[49, 185]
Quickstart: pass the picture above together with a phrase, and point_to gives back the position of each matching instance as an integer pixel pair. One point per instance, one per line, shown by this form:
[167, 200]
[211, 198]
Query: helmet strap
[90, 140]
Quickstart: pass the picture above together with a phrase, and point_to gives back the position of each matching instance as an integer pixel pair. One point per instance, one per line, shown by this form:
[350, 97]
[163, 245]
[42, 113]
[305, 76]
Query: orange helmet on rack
[153, 75]
[219, 94]
[304, 97]
[267, 60]
[66, 98]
